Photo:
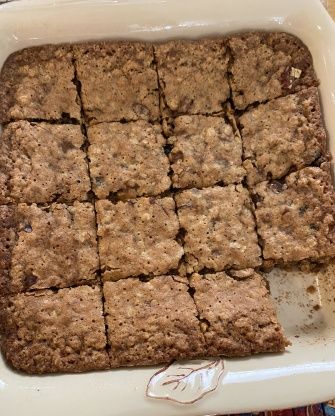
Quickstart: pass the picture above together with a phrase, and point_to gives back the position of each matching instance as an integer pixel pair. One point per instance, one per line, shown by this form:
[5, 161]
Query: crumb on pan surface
[48, 332]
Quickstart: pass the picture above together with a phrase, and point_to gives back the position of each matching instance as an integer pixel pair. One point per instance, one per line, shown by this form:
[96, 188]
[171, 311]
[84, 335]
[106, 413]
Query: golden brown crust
[42, 162]
[239, 314]
[118, 81]
[46, 332]
[47, 247]
[128, 160]
[266, 65]
[37, 83]
[205, 151]
[296, 217]
[183, 68]
[282, 135]
[219, 228]
[8, 238]
[151, 322]
[138, 237]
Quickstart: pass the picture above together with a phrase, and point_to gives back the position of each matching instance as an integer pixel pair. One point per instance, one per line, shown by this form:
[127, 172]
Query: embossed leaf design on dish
[185, 382]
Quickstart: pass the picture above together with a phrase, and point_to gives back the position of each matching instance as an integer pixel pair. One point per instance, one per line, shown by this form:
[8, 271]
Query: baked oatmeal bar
[47, 247]
[47, 332]
[204, 151]
[296, 217]
[128, 160]
[283, 135]
[138, 237]
[38, 83]
[151, 322]
[219, 228]
[41, 162]
[193, 76]
[118, 81]
[266, 65]
[239, 314]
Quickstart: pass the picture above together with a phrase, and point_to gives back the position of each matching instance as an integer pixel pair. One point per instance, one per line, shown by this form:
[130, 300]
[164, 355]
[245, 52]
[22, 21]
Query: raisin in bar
[205, 151]
[138, 237]
[47, 247]
[127, 160]
[151, 322]
[193, 76]
[47, 332]
[283, 135]
[118, 81]
[38, 83]
[219, 228]
[266, 65]
[296, 217]
[42, 163]
[239, 314]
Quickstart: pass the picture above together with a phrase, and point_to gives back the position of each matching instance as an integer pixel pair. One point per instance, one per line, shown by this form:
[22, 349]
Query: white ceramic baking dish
[306, 372]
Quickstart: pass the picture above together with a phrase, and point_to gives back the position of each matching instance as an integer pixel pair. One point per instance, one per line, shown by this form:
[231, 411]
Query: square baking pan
[305, 300]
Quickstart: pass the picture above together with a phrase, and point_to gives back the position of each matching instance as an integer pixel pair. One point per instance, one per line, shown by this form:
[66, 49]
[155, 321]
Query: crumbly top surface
[42, 163]
[54, 246]
[284, 134]
[138, 237]
[219, 228]
[205, 151]
[296, 217]
[53, 332]
[267, 65]
[193, 76]
[240, 315]
[118, 81]
[37, 83]
[128, 159]
[151, 322]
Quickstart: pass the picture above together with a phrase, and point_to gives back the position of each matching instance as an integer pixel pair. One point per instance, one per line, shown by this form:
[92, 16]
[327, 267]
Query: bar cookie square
[205, 151]
[193, 76]
[240, 315]
[219, 228]
[283, 135]
[118, 81]
[47, 332]
[42, 163]
[138, 237]
[51, 247]
[128, 160]
[268, 65]
[151, 322]
[296, 217]
[38, 83]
